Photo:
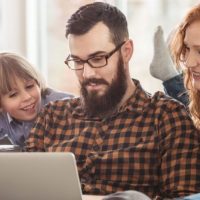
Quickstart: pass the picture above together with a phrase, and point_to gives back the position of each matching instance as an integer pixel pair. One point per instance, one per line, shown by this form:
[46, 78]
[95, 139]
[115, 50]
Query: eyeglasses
[97, 61]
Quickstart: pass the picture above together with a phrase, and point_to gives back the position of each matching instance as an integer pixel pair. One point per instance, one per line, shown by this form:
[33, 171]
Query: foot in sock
[162, 66]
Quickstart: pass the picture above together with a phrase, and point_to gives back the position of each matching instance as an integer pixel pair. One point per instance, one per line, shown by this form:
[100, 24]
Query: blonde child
[22, 94]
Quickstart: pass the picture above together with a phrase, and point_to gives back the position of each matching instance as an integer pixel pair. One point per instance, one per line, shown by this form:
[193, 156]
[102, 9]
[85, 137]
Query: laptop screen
[39, 176]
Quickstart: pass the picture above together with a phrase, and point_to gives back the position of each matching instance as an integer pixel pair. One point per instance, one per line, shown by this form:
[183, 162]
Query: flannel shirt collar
[136, 103]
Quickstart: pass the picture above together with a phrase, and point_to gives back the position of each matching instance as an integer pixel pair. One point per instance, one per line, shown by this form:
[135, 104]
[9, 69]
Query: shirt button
[96, 148]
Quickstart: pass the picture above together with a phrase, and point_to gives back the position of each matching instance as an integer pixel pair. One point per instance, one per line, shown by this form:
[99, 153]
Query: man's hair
[89, 15]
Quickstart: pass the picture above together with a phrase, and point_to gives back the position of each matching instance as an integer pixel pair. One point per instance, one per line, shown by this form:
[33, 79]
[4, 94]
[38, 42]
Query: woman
[185, 49]
[185, 52]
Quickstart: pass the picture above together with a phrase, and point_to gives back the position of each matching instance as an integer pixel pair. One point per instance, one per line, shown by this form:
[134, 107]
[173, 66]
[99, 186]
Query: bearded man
[123, 138]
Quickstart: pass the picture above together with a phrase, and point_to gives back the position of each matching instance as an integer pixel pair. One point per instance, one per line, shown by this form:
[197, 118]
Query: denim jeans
[174, 87]
[191, 197]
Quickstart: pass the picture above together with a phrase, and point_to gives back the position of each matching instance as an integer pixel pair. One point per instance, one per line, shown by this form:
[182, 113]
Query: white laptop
[39, 176]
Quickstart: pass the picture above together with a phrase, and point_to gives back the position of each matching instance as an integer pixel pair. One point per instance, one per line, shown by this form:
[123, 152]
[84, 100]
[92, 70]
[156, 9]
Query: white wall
[13, 26]
[23, 30]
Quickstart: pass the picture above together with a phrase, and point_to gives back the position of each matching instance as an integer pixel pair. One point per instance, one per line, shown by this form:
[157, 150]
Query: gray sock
[162, 66]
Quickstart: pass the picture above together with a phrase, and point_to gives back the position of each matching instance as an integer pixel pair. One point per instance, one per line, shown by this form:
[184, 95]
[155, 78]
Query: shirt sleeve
[179, 143]
[35, 141]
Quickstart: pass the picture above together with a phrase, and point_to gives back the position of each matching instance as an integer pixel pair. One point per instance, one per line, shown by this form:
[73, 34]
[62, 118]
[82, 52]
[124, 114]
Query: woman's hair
[178, 50]
[13, 66]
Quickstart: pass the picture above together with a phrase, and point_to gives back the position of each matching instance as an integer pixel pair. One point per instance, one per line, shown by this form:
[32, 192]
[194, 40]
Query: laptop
[39, 176]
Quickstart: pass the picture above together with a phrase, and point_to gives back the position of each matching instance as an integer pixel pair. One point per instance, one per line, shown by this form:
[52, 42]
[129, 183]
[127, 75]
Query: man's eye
[77, 62]
[97, 59]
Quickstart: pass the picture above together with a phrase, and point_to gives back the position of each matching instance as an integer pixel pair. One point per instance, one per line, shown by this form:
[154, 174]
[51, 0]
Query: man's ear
[127, 50]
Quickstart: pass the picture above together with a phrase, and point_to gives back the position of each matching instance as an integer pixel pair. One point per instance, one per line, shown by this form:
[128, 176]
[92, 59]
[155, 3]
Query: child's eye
[12, 94]
[29, 86]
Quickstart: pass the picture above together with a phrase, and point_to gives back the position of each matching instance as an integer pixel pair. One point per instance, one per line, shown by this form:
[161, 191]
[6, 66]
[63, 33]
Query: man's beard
[95, 105]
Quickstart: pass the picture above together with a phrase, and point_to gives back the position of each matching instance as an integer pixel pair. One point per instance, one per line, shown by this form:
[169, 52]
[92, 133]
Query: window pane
[143, 18]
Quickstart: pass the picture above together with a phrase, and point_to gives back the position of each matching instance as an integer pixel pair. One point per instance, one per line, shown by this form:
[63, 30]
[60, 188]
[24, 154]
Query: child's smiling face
[23, 101]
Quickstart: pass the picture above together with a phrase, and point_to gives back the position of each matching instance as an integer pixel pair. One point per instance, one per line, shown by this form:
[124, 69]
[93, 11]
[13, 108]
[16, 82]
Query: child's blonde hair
[12, 66]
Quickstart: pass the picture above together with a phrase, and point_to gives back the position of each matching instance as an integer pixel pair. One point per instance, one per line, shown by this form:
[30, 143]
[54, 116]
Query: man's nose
[88, 71]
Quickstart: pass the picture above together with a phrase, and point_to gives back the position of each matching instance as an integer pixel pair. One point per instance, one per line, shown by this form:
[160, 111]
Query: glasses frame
[107, 56]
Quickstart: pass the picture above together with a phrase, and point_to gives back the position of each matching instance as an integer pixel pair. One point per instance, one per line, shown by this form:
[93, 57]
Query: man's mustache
[94, 80]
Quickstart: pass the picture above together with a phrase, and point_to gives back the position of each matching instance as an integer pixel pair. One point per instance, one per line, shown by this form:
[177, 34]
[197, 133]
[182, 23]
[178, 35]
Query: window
[143, 18]
[36, 30]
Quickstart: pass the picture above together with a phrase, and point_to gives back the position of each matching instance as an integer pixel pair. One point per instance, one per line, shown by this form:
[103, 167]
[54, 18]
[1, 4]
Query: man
[123, 138]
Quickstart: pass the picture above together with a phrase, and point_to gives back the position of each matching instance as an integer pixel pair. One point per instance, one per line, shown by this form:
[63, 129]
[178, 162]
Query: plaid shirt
[149, 145]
